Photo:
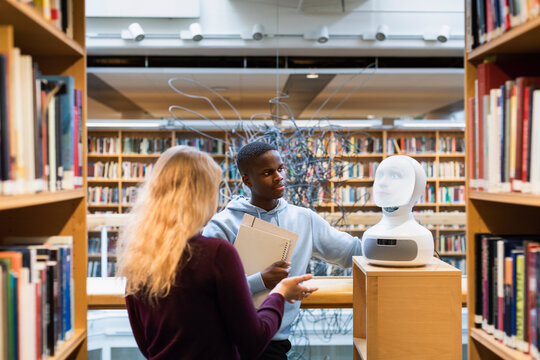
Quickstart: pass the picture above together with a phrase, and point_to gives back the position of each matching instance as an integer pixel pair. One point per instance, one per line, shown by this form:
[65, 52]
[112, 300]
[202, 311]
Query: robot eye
[395, 176]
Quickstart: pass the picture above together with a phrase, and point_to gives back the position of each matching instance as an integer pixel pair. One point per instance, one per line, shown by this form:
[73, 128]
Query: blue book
[67, 104]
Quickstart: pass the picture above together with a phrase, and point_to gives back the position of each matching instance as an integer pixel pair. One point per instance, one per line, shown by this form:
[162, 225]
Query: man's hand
[276, 272]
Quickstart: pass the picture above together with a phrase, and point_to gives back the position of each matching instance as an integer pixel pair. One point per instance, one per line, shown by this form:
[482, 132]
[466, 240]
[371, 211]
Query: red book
[526, 135]
[521, 146]
[470, 139]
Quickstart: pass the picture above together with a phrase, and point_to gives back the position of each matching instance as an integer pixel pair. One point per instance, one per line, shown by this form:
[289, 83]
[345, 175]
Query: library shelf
[452, 253]
[67, 348]
[98, 256]
[103, 180]
[520, 39]
[508, 198]
[451, 155]
[140, 156]
[359, 156]
[503, 351]
[133, 181]
[102, 205]
[354, 181]
[105, 156]
[452, 180]
[18, 201]
[452, 204]
[28, 23]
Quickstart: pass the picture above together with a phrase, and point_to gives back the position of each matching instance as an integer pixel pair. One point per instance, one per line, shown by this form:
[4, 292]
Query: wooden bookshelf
[496, 213]
[61, 212]
[523, 39]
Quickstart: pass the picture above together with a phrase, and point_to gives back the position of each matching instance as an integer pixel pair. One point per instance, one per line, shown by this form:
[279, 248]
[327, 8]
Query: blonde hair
[171, 207]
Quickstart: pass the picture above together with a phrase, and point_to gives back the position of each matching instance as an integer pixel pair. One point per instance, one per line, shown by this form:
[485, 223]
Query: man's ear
[246, 181]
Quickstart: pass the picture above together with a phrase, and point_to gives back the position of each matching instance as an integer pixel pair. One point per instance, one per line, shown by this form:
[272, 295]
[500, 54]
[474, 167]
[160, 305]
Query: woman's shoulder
[212, 242]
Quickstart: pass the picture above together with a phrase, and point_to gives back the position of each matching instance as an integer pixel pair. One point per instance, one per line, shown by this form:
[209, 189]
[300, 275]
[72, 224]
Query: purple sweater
[209, 314]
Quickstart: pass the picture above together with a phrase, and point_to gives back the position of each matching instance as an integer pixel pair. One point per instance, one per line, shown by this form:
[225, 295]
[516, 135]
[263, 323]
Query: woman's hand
[292, 290]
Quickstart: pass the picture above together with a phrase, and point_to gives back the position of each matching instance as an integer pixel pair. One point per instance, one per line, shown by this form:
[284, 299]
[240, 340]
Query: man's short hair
[250, 152]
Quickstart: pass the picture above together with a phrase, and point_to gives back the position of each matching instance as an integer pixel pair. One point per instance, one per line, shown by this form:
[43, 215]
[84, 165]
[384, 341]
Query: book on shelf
[40, 301]
[487, 20]
[502, 125]
[37, 122]
[103, 145]
[507, 277]
[145, 145]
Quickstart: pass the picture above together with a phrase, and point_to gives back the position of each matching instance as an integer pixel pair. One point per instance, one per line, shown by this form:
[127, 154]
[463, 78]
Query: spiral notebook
[259, 244]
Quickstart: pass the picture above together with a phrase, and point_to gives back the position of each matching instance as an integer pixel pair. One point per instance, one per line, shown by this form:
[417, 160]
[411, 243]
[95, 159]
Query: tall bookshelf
[438, 150]
[60, 212]
[503, 212]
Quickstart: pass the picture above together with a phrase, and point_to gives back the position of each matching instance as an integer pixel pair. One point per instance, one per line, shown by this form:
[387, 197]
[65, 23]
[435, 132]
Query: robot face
[394, 182]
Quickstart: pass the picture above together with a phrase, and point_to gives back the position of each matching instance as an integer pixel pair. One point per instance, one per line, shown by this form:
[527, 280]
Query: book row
[109, 170]
[451, 170]
[452, 194]
[144, 145]
[504, 117]
[411, 145]
[36, 296]
[428, 197]
[487, 20]
[40, 128]
[94, 244]
[57, 12]
[451, 145]
[212, 146]
[353, 145]
[356, 170]
[507, 300]
[95, 266]
[99, 195]
[451, 243]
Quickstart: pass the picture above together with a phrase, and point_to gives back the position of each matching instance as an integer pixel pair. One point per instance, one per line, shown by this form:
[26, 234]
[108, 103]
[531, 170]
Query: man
[263, 172]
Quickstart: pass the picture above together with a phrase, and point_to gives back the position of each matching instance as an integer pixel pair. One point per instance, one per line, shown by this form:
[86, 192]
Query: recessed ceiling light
[220, 88]
[312, 76]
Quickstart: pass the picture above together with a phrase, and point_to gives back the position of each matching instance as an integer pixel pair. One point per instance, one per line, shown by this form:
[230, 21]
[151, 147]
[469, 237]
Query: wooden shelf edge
[496, 347]
[17, 201]
[360, 345]
[509, 198]
[36, 20]
[67, 348]
[493, 46]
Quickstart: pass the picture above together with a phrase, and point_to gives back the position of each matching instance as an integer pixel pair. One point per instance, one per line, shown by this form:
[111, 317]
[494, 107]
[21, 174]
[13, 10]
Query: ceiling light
[312, 76]
[220, 88]
[133, 32]
[322, 34]
[258, 32]
[382, 33]
[196, 32]
[444, 34]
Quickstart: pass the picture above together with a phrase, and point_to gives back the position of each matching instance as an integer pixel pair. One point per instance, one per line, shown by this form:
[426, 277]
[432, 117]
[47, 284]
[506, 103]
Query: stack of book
[507, 301]
[504, 120]
[40, 128]
[36, 296]
[487, 20]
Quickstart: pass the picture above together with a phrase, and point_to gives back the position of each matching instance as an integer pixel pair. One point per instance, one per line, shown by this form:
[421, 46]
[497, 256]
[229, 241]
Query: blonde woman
[187, 295]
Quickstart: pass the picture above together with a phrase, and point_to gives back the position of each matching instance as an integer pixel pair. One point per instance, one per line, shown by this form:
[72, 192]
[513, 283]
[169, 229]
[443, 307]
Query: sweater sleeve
[334, 246]
[250, 329]
[138, 332]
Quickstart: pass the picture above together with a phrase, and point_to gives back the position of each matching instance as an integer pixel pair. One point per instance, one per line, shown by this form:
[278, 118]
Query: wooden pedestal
[406, 313]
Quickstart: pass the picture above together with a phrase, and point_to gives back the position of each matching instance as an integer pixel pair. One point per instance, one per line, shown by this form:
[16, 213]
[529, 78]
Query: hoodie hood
[240, 203]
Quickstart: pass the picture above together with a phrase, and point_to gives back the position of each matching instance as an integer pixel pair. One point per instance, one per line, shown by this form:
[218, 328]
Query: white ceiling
[384, 93]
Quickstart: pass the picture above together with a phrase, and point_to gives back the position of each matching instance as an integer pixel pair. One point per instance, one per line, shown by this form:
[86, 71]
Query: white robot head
[399, 182]
[398, 240]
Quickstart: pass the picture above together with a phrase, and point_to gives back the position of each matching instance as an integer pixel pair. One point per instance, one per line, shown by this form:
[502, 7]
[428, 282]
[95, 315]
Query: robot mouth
[390, 209]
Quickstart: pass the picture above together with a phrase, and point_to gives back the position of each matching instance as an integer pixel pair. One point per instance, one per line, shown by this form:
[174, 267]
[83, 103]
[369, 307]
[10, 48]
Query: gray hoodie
[316, 238]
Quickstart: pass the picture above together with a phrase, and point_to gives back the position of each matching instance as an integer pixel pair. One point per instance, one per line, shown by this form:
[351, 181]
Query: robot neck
[399, 216]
